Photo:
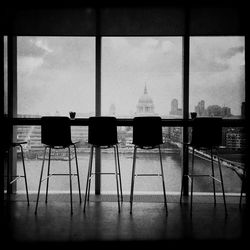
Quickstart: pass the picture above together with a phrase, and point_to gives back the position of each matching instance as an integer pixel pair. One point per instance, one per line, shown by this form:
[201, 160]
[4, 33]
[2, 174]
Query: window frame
[184, 122]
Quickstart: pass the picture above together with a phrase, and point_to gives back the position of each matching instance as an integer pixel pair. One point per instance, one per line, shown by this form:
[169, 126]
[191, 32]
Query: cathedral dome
[145, 99]
[145, 104]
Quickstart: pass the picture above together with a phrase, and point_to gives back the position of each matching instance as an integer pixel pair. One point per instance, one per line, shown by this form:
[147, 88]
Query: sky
[58, 73]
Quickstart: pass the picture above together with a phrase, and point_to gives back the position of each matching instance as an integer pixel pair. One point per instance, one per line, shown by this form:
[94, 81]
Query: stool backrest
[56, 131]
[207, 132]
[147, 131]
[102, 131]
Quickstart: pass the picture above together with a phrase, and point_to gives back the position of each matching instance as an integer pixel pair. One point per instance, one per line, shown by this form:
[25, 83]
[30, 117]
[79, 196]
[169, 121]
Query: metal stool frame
[103, 135]
[211, 144]
[65, 144]
[17, 177]
[141, 125]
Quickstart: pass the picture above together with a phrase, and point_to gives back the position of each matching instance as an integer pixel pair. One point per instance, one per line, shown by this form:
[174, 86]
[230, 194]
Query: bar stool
[7, 145]
[147, 135]
[103, 134]
[56, 135]
[206, 135]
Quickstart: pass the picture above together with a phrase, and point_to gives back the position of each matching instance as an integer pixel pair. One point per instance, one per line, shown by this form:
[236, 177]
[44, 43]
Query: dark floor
[102, 223]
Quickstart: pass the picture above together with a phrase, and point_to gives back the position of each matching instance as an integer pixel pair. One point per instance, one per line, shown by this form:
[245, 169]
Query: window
[217, 88]
[217, 76]
[55, 75]
[142, 76]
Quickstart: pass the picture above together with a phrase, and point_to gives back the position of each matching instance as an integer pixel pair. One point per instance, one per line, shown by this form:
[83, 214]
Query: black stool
[10, 179]
[206, 135]
[147, 134]
[56, 134]
[7, 145]
[103, 134]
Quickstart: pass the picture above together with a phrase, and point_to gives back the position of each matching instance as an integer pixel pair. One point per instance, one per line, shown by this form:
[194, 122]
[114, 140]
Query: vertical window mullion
[2, 112]
[186, 51]
[98, 100]
[12, 99]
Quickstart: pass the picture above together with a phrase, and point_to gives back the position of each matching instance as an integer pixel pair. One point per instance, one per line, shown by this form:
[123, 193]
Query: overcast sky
[58, 73]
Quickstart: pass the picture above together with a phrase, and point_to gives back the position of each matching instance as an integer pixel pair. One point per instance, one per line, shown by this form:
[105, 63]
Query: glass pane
[217, 76]
[56, 75]
[217, 88]
[142, 76]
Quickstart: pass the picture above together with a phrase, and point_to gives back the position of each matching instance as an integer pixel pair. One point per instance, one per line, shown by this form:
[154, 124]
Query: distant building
[175, 110]
[200, 108]
[145, 104]
[226, 112]
[236, 139]
[212, 110]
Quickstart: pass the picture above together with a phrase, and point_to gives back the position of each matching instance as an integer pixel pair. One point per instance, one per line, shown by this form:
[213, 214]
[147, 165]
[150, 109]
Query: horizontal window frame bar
[129, 122]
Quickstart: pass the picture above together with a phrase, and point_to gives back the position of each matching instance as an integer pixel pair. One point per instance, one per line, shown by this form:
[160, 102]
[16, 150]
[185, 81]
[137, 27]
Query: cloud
[43, 45]
[232, 52]
[31, 47]
[28, 64]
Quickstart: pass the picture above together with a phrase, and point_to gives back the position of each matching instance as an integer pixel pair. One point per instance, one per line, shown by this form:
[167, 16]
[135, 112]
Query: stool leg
[48, 173]
[8, 177]
[119, 169]
[222, 184]
[182, 180]
[185, 147]
[25, 177]
[90, 172]
[78, 178]
[163, 182]
[192, 183]
[70, 182]
[242, 187]
[116, 177]
[88, 176]
[39, 187]
[212, 162]
[241, 192]
[132, 180]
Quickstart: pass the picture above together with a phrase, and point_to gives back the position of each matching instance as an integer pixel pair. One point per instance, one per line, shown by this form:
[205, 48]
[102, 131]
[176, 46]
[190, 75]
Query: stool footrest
[202, 175]
[148, 175]
[57, 175]
[16, 178]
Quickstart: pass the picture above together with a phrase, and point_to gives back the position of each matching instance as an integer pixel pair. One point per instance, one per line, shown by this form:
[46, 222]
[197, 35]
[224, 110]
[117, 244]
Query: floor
[102, 224]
